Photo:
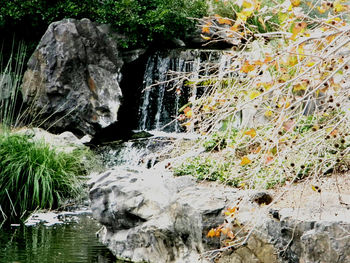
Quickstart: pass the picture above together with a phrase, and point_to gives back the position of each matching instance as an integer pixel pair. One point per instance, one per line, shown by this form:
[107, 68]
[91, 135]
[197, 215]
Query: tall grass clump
[11, 74]
[33, 175]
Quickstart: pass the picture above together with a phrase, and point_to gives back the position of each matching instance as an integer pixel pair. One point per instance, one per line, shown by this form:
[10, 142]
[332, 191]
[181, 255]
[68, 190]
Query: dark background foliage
[142, 22]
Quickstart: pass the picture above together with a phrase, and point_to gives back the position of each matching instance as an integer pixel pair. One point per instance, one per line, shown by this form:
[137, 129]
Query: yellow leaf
[283, 102]
[268, 113]
[247, 13]
[310, 64]
[188, 112]
[295, 2]
[234, 28]
[251, 133]
[247, 67]
[282, 17]
[247, 4]
[297, 29]
[300, 51]
[206, 28]
[206, 108]
[224, 21]
[245, 161]
[211, 233]
[258, 63]
[321, 9]
[316, 188]
[231, 210]
[205, 37]
[241, 17]
[254, 94]
[262, 22]
[292, 61]
[242, 185]
[299, 87]
[338, 7]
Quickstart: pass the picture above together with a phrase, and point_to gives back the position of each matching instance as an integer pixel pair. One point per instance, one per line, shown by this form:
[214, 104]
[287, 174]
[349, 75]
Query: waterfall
[163, 94]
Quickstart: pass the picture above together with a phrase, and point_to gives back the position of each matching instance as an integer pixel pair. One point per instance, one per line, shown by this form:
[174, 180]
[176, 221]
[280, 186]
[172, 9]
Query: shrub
[141, 21]
[292, 82]
[207, 168]
[33, 175]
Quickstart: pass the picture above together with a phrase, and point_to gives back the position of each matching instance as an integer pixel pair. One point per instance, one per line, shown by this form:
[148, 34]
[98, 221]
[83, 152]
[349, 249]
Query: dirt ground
[327, 198]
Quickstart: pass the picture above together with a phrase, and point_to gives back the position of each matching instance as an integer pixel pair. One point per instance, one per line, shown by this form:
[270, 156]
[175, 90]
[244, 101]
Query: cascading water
[164, 92]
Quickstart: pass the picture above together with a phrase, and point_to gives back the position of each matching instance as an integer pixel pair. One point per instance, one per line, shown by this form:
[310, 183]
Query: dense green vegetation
[142, 22]
[35, 176]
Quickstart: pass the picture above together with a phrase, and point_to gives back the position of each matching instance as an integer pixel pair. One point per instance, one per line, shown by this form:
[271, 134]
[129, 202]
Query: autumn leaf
[205, 37]
[268, 159]
[257, 150]
[231, 211]
[297, 29]
[322, 10]
[338, 7]
[247, 4]
[299, 87]
[268, 58]
[188, 112]
[268, 113]
[334, 132]
[247, 67]
[316, 188]
[206, 108]
[211, 233]
[245, 161]
[206, 28]
[224, 21]
[251, 133]
[254, 94]
[241, 18]
[310, 64]
[295, 3]
[234, 27]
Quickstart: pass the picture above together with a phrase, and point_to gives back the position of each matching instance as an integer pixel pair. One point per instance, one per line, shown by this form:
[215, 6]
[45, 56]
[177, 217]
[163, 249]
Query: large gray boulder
[149, 216]
[72, 78]
[155, 218]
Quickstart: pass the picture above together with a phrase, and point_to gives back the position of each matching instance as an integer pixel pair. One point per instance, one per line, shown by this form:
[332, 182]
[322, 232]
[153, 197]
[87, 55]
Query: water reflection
[73, 242]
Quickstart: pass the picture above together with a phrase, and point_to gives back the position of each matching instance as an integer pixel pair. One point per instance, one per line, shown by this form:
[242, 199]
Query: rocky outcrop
[153, 217]
[72, 78]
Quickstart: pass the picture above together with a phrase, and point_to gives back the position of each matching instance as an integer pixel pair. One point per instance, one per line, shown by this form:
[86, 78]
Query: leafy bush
[207, 168]
[33, 175]
[293, 83]
[141, 21]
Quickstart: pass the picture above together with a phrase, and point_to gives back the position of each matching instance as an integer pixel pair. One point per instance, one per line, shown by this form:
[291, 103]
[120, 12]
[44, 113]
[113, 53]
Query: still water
[74, 242]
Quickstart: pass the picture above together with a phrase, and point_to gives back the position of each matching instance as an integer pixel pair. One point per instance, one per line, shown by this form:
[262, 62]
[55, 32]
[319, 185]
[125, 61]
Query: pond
[70, 242]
